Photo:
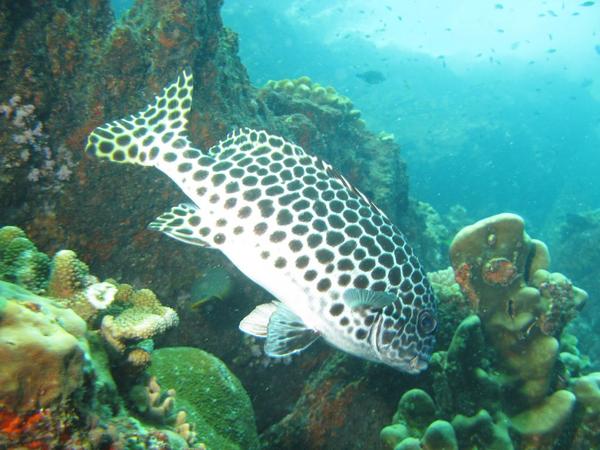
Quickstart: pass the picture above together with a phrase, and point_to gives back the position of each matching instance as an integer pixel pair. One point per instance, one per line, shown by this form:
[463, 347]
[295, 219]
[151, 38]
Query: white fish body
[337, 266]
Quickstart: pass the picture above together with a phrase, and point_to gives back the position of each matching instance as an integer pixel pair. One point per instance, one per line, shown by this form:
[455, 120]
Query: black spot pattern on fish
[264, 196]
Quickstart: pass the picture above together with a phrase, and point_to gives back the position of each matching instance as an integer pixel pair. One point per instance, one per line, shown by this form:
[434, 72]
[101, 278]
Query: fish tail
[155, 135]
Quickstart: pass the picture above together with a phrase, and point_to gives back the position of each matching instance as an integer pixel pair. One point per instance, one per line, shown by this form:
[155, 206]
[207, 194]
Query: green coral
[32, 270]
[214, 399]
[21, 262]
[417, 426]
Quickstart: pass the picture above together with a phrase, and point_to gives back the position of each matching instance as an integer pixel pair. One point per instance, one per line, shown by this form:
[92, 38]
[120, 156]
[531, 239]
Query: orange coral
[15, 427]
[462, 276]
[499, 271]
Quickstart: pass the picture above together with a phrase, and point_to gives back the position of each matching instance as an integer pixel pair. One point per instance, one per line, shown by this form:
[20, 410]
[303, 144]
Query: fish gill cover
[494, 106]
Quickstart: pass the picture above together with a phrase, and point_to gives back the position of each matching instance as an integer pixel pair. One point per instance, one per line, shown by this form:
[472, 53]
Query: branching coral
[143, 318]
[503, 272]
[502, 384]
[158, 406]
[21, 262]
[68, 275]
[42, 349]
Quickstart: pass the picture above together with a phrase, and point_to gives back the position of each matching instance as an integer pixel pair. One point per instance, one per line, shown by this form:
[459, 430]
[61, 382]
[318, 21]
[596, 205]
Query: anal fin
[183, 222]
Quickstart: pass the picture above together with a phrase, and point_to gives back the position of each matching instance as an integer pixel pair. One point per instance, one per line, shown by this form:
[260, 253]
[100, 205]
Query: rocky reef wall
[68, 66]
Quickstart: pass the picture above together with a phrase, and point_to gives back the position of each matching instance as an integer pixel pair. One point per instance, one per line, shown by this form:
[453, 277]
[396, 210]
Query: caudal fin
[155, 134]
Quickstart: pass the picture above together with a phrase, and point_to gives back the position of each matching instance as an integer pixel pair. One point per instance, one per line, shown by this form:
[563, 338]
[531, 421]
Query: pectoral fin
[365, 298]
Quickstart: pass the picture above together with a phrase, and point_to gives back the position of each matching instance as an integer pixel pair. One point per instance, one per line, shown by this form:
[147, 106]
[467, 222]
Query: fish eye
[426, 323]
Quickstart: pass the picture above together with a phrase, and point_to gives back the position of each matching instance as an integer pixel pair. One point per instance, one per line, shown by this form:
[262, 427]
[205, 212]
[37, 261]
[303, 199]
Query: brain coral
[214, 399]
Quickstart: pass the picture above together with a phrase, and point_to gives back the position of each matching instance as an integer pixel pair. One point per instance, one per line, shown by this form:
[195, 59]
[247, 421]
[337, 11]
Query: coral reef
[68, 67]
[42, 348]
[523, 308]
[136, 316]
[56, 382]
[212, 397]
[510, 377]
[143, 318]
[325, 123]
[315, 95]
[64, 277]
[572, 235]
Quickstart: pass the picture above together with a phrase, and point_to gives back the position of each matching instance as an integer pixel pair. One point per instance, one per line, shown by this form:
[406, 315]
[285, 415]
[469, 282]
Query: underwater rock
[341, 403]
[213, 398]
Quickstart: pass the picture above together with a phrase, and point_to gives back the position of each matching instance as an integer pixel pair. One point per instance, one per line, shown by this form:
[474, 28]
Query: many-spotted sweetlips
[337, 266]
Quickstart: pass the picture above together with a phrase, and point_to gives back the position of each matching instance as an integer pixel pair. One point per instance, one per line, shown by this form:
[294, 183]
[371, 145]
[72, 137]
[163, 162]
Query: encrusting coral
[42, 349]
[304, 87]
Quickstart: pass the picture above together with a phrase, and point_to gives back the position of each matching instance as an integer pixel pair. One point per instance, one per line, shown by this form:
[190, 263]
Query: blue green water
[496, 105]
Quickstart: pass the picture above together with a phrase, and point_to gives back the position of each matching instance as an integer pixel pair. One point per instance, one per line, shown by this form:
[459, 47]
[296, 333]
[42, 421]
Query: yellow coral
[304, 87]
[139, 358]
[143, 320]
[522, 308]
[68, 275]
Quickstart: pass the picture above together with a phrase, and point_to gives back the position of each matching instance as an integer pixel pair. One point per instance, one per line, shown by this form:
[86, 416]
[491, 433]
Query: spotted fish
[337, 266]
